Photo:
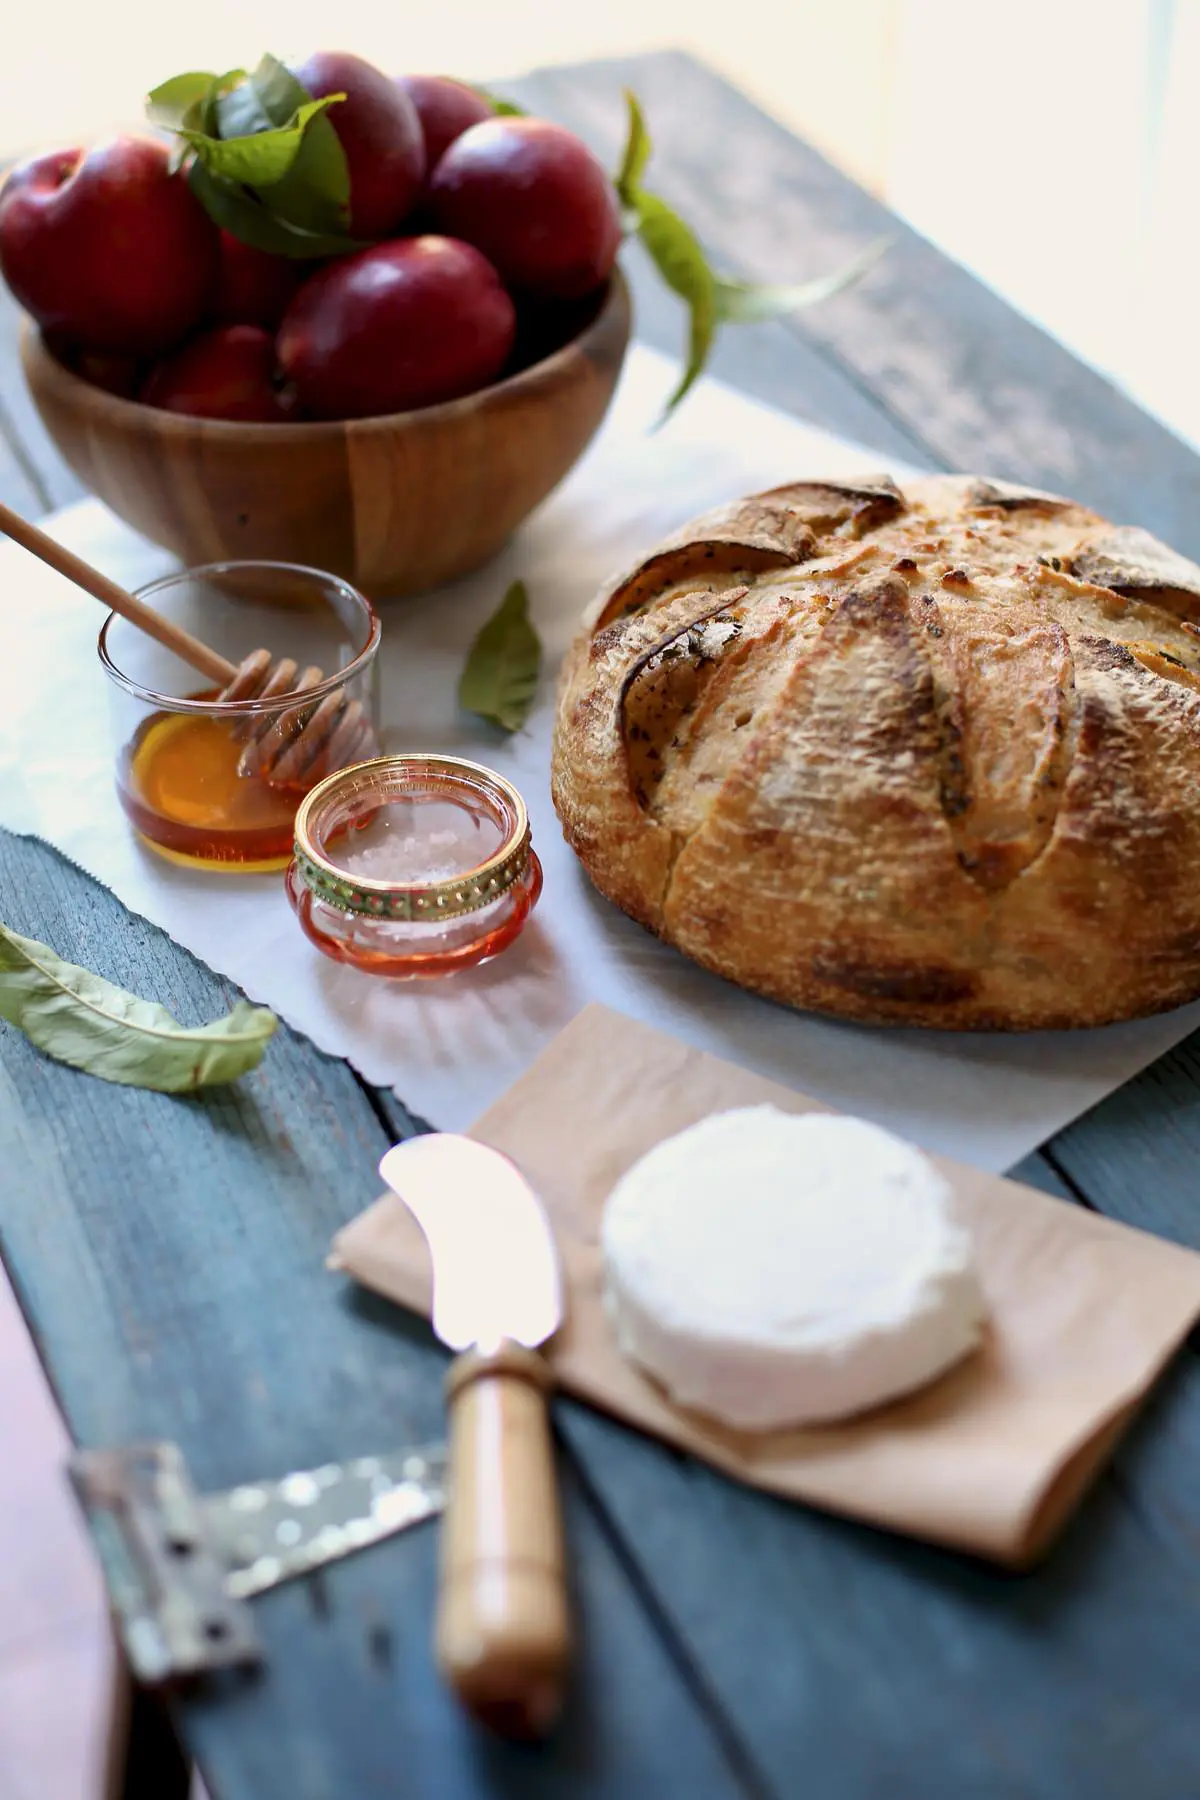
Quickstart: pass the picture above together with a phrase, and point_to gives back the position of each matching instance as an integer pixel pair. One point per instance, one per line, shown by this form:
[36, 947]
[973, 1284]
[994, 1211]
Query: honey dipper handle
[503, 1636]
[172, 637]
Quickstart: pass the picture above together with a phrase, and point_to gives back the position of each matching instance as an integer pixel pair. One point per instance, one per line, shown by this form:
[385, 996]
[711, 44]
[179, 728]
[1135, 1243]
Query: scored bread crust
[926, 758]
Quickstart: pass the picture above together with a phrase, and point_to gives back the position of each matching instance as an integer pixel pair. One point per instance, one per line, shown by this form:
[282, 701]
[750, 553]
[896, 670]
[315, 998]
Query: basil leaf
[171, 101]
[748, 302]
[190, 100]
[206, 120]
[636, 155]
[504, 109]
[80, 1019]
[313, 192]
[676, 254]
[267, 98]
[499, 680]
[188, 103]
[672, 245]
[238, 212]
[264, 157]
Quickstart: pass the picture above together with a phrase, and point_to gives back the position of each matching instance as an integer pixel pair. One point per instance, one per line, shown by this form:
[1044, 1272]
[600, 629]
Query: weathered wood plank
[1135, 1155]
[955, 367]
[1037, 1172]
[169, 1255]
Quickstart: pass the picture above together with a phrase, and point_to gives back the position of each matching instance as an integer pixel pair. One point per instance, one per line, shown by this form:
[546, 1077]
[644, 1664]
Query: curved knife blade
[495, 1266]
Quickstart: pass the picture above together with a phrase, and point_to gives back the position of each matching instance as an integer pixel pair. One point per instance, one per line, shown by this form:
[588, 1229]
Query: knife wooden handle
[503, 1633]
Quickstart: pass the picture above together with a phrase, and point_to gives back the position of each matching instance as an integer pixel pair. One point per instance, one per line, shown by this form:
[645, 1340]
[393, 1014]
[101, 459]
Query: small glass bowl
[178, 746]
[411, 866]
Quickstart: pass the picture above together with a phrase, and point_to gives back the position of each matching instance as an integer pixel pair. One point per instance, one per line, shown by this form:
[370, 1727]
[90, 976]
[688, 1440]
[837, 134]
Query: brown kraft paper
[990, 1458]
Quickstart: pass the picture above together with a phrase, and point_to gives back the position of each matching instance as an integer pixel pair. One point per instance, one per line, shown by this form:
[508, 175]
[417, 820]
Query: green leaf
[170, 102]
[206, 109]
[628, 179]
[748, 302]
[262, 159]
[675, 251]
[504, 109]
[237, 211]
[267, 98]
[672, 246]
[676, 254]
[82, 1020]
[499, 680]
[313, 192]
[189, 101]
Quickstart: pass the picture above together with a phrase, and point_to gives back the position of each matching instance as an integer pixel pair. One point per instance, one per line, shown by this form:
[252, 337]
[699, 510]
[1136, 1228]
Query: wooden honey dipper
[327, 736]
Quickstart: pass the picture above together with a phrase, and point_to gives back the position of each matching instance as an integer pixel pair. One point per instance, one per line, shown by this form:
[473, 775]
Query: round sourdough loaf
[921, 758]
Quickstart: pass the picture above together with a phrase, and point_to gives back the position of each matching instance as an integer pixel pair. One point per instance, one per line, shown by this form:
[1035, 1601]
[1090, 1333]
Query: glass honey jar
[412, 866]
[193, 774]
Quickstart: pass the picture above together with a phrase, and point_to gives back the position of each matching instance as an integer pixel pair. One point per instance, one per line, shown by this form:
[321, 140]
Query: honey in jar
[179, 784]
[178, 751]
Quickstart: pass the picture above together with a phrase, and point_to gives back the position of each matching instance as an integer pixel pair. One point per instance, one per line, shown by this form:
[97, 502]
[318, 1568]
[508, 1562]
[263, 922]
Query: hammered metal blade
[268, 1531]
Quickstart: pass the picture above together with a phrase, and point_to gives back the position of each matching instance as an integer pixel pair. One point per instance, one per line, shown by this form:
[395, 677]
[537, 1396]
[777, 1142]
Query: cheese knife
[503, 1633]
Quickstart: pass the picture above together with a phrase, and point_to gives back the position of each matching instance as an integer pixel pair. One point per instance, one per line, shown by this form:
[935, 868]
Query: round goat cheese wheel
[772, 1269]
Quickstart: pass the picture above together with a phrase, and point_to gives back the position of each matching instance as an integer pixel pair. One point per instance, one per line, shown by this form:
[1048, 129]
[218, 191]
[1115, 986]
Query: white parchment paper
[450, 1048]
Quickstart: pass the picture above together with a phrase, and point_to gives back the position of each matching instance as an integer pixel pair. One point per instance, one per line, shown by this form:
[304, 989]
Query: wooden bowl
[395, 504]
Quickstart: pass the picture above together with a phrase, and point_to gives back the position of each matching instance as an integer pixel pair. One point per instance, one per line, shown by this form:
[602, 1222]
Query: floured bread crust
[926, 758]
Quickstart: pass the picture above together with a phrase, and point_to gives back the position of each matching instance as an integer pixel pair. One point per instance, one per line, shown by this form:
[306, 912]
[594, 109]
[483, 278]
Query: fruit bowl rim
[616, 305]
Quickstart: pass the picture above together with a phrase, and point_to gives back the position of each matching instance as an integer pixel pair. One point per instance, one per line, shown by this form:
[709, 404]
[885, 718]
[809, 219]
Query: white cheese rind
[773, 1270]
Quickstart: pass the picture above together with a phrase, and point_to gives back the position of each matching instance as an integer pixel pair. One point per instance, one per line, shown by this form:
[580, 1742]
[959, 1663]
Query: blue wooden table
[168, 1253]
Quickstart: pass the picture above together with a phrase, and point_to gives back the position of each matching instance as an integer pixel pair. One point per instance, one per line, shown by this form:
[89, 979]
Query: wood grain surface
[169, 1252]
